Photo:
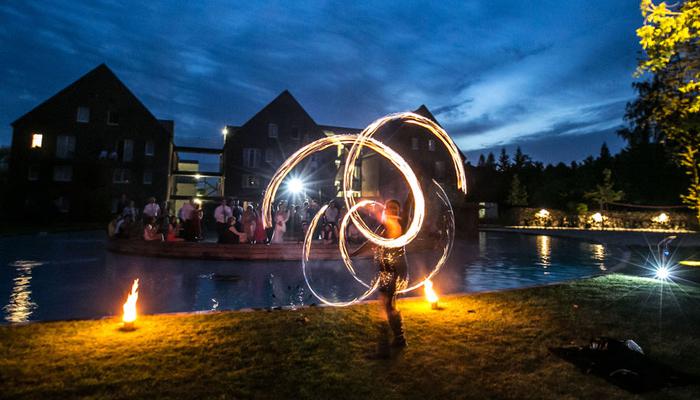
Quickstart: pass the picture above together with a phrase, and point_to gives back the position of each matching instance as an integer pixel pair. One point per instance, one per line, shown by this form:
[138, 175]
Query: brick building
[76, 153]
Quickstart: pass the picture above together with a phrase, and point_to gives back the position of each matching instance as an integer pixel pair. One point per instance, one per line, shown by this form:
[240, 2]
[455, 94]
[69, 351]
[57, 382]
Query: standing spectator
[130, 210]
[196, 222]
[281, 218]
[249, 222]
[151, 210]
[221, 214]
[260, 235]
[185, 215]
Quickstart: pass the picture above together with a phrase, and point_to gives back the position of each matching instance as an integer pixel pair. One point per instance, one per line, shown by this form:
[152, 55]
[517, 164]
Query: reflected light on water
[598, 253]
[20, 307]
[544, 250]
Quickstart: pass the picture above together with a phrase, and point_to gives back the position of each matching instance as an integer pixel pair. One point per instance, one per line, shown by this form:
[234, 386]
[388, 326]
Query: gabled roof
[424, 112]
[284, 97]
[101, 72]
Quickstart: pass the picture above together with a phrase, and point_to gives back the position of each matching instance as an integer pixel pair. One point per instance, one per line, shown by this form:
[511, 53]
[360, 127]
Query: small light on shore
[597, 217]
[224, 131]
[430, 295]
[661, 218]
[542, 214]
[129, 317]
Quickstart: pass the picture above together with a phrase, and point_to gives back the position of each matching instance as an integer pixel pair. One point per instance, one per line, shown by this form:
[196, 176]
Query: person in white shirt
[185, 215]
[151, 210]
[222, 213]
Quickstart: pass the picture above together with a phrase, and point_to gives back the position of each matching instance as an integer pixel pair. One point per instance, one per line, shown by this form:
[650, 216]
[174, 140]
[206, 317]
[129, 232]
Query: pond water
[72, 276]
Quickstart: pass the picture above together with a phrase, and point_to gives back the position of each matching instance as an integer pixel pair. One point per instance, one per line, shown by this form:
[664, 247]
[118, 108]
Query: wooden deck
[213, 251]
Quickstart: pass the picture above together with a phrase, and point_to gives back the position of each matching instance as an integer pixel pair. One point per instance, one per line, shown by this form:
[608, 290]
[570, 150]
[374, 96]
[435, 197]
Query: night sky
[550, 76]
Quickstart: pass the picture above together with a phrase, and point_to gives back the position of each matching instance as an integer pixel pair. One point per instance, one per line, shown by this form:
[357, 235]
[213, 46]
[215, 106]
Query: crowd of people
[235, 221]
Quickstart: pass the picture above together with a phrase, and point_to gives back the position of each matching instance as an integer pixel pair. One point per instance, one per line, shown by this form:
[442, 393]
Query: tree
[605, 193]
[518, 193]
[503, 161]
[482, 161]
[491, 161]
[670, 37]
[520, 160]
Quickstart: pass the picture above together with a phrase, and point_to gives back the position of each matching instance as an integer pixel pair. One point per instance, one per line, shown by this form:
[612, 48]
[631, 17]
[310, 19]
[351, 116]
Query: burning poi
[358, 142]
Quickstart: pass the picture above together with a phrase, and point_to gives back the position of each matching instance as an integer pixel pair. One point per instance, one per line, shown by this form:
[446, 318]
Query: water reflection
[20, 307]
[79, 279]
[598, 254]
[544, 250]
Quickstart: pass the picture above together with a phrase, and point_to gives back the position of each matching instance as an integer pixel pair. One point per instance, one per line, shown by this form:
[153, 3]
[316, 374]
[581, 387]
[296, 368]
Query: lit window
[37, 139]
[112, 117]
[431, 145]
[121, 175]
[150, 148]
[128, 150]
[62, 173]
[272, 130]
[65, 146]
[33, 173]
[147, 177]
[414, 143]
[83, 114]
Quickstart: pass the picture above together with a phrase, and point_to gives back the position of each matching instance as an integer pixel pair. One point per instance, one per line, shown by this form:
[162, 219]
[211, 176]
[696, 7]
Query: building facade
[76, 153]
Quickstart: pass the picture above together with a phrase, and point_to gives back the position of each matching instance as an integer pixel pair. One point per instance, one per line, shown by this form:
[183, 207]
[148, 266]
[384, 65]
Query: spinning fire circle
[358, 142]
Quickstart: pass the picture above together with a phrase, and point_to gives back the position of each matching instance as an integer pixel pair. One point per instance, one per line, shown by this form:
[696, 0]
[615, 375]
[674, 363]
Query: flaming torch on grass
[129, 316]
[430, 295]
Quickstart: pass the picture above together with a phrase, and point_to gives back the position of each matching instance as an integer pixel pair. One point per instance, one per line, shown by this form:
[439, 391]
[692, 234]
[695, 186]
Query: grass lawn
[492, 345]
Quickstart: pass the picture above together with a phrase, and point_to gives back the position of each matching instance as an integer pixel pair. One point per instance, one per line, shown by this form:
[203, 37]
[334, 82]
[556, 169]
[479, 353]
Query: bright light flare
[430, 294]
[295, 185]
[224, 131]
[542, 214]
[663, 273]
[129, 316]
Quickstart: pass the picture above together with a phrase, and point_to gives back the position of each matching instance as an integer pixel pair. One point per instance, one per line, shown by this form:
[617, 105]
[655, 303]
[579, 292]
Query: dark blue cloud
[494, 72]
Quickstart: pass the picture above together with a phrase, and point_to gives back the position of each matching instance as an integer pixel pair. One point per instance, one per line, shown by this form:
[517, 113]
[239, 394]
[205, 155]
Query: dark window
[121, 175]
[296, 133]
[33, 173]
[128, 150]
[112, 117]
[272, 130]
[147, 177]
[251, 157]
[83, 114]
[65, 146]
[150, 148]
[414, 143]
[62, 173]
[250, 182]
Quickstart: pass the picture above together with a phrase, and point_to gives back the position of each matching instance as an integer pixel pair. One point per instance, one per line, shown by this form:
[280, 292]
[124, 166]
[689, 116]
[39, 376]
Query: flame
[130, 305]
[430, 294]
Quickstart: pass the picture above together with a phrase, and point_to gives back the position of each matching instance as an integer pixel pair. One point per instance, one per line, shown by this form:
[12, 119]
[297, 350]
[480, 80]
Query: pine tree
[482, 161]
[491, 161]
[503, 161]
[518, 193]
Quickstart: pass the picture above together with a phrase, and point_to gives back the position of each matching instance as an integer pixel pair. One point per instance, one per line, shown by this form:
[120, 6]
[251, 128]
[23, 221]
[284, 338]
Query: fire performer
[393, 276]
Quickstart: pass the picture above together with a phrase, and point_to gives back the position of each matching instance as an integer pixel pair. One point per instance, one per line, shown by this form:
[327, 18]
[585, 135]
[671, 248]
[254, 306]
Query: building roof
[101, 72]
